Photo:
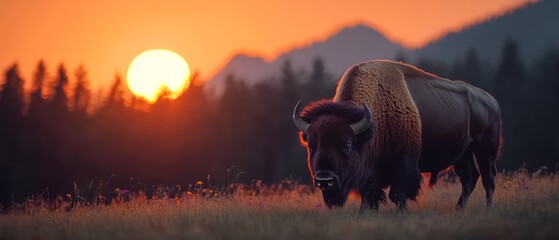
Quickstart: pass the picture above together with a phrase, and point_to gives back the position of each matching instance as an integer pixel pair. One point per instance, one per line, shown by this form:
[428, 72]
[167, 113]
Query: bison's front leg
[334, 197]
[406, 181]
[371, 198]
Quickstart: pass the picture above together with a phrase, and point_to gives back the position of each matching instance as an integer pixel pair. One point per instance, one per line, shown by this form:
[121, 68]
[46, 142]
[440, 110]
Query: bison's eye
[347, 147]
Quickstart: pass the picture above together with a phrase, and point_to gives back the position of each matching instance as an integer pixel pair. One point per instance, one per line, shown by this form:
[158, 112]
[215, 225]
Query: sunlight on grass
[526, 205]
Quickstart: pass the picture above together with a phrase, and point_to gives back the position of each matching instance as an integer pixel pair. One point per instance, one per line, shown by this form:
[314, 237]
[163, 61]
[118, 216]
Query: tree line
[60, 133]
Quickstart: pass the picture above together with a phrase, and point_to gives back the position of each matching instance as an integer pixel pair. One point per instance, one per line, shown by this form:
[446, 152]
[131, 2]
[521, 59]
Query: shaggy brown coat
[381, 85]
[420, 122]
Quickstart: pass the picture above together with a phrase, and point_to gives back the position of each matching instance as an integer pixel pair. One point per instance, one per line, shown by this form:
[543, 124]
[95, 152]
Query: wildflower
[508, 184]
[189, 195]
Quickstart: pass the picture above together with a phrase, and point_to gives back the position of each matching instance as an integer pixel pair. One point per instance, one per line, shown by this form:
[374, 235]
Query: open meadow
[526, 207]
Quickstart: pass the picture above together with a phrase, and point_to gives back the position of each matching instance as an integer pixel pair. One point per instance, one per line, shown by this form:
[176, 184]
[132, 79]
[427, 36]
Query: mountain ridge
[339, 51]
[358, 42]
[487, 37]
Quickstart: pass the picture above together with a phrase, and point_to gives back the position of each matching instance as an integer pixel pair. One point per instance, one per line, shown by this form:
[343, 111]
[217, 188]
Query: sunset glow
[105, 35]
[154, 70]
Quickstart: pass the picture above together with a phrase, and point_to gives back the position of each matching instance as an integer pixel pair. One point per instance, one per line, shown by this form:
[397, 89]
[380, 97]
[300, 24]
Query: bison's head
[335, 134]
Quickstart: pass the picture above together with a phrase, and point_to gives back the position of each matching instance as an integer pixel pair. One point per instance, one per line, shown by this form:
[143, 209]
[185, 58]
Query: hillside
[341, 50]
[532, 26]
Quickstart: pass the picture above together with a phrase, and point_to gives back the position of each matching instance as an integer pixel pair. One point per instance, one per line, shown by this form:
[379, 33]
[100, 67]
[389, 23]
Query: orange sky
[106, 35]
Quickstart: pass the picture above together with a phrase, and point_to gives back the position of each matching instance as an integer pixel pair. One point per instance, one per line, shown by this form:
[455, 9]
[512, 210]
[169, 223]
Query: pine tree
[60, 99]
[37, 126]
[37, 102]
[544, 115]
[115, 94]
[11, 115]
[510, 93]
[510, 73]
[82, 95]
[468, 69]
[11, 97]
[472, 67]
[320, 85]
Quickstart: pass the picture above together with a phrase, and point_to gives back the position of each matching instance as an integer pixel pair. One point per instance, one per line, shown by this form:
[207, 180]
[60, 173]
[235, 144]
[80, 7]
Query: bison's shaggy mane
[345, 110]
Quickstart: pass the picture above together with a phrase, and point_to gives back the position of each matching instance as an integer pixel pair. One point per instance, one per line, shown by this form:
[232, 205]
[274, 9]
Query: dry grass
[526, 206]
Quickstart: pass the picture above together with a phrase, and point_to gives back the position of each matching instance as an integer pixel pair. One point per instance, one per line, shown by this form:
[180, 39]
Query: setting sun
[154, 70]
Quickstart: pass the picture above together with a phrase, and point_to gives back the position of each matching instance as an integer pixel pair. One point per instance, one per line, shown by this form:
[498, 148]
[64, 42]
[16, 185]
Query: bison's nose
[326, 180]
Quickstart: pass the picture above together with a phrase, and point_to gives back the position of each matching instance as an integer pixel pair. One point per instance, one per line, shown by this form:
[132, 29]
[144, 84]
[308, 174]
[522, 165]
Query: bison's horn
[299, 122]
[364, 123]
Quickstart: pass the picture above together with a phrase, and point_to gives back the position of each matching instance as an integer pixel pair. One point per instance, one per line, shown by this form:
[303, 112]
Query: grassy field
[526, 207]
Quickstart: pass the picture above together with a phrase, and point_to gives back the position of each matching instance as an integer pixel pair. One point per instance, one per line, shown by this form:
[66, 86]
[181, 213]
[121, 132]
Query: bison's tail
[433, 178]
[501, 141]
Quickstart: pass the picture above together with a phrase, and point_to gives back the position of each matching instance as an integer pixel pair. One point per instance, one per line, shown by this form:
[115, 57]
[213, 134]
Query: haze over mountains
[348, 46]
[534, 27]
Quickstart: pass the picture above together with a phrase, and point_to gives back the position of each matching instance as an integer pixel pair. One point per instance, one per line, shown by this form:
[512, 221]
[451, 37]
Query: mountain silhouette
[343, 49]
[533, 27]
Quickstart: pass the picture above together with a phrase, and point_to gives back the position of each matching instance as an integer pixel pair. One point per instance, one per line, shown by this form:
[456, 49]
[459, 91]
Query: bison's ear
[365, 136]
[303, 138]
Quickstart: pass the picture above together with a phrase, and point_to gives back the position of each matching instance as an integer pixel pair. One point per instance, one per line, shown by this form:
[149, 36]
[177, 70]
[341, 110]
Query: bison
[390, 121]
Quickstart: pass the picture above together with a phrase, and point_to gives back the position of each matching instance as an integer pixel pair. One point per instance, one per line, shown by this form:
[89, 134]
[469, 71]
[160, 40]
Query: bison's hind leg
[465, 168]
[485, 157]
[406, 182]
[486, 151]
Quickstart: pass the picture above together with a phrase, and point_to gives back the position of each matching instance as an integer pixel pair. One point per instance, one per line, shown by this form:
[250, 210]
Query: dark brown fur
[331, 120]
[420, 121]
